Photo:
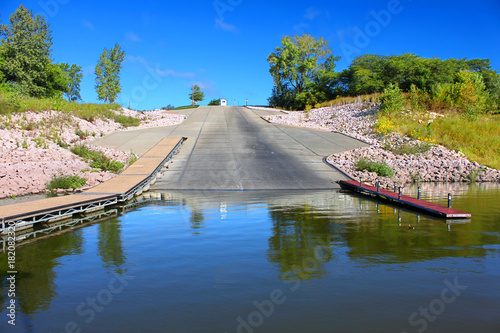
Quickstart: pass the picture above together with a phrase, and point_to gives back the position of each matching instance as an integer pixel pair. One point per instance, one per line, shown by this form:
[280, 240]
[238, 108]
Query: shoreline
[34, 148]
[436, 165]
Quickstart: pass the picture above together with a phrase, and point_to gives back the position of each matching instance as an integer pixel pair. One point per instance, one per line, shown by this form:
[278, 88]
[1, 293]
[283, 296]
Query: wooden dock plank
[423, 205]
[158, 151]
[119, 184]
[143, 166]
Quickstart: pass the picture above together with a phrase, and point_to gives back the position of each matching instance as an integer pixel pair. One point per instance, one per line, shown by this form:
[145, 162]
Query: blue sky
[222, 45]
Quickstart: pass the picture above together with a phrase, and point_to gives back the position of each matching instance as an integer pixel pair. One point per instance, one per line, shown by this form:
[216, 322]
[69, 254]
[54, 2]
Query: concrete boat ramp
[223, 149]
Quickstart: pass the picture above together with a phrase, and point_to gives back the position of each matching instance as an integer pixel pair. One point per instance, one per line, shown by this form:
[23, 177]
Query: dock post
[400, 193]
[449, 200]
[419, 192]
[360, 181]
[378, 186]
[395, 187]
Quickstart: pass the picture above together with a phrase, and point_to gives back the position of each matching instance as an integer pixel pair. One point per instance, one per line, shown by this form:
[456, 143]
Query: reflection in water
[300, 243]
[347, 247]
[110, 246]
[35, 287]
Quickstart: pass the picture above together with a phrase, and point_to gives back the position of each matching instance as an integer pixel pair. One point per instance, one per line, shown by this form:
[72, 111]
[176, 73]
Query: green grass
[409, 149]
[186, 107]
[380, 168]
[478, 139]
[66, 182]
[97, 159]
[14, 103]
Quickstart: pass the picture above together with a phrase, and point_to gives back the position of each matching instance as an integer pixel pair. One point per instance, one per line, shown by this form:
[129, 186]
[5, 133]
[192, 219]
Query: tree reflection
[110, 245]
[35, 264]
[300, 244]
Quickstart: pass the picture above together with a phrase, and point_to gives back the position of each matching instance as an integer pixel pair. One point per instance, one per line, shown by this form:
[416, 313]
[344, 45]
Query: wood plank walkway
[411, 202]
[121, 188]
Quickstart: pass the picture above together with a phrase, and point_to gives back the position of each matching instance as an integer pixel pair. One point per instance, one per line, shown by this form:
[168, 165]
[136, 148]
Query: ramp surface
[232, 148]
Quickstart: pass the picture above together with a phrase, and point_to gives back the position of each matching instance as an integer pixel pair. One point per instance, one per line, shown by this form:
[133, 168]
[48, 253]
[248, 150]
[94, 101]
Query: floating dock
[133, 181]
[405, 200]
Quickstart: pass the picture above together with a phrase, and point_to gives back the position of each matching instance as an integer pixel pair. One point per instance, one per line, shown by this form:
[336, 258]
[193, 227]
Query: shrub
[66, 182]
[214, 102]
[380, 168]
[393, 100]
[469, 94]
[125, 120]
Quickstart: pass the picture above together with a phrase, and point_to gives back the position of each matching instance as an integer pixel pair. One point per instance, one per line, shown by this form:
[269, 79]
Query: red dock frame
[405, 200]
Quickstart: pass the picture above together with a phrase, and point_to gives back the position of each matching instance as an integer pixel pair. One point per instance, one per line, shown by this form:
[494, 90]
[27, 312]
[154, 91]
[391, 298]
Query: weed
[380, 168]
[97, 159]
[66, 182]
[132, 159]
[408, 148]
[474, 174]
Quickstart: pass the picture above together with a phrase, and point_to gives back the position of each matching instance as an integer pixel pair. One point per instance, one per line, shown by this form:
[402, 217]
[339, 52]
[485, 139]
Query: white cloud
[311, 13]
[225, 26]
[131, 36]
[87, 24]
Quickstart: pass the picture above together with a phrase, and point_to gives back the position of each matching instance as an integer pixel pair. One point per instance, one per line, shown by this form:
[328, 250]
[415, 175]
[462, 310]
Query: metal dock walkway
[133, 181]
[411, 202]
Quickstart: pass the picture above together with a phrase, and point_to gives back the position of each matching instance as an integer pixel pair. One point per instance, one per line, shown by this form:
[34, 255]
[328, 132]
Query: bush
[393, 100]
[66, 182]
[125, 120]
[380, 168]
[214, 102]
[469, 94]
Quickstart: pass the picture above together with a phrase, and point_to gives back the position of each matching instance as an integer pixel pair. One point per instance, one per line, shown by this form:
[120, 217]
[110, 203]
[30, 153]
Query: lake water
[266, 262]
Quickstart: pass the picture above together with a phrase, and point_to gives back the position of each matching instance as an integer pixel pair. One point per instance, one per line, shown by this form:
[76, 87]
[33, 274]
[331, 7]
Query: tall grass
[478, 139]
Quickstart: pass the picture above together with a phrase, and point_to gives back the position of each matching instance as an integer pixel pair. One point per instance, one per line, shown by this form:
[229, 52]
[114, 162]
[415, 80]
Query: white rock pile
[34, 147]
[439, 164]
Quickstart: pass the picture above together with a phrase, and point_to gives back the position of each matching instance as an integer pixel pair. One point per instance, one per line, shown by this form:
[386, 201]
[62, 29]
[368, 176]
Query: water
[266, 262]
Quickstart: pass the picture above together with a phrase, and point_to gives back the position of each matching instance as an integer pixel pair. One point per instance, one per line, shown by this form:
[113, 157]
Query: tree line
[26, 66]
[303, 71]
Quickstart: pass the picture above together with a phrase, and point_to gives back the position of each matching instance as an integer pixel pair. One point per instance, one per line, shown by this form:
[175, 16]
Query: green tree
[302, 69]
[469, 93]
[107, 74]
[26, 51]
[75, 75]
[196, 94]
[214, 102]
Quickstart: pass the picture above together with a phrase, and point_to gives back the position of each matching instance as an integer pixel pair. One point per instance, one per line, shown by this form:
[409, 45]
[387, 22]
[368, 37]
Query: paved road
[232, 148]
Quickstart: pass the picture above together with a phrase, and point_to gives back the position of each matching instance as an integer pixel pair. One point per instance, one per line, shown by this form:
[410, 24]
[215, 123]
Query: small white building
[223, 102]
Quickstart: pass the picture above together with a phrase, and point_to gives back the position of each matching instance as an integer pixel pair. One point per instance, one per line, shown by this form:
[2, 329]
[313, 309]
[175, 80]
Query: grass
[66, 182]
[97, 159]
[478, 139]
[409, 149]
[11, 102]
[186, 107]
[380, 168]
